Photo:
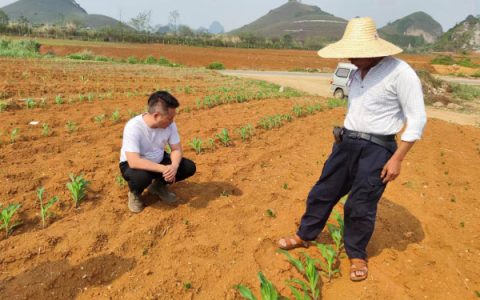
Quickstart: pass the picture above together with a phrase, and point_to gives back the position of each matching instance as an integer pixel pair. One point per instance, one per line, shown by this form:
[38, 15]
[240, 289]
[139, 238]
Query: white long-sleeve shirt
[389, 95]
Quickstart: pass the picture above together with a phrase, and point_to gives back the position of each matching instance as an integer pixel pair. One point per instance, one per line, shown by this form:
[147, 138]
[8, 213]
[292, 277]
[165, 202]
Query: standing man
[385, 92]
[143, 158]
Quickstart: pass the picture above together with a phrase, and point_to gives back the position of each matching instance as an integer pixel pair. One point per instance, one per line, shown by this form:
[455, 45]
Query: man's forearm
[176, 157]
[147, 165]
[402, 150]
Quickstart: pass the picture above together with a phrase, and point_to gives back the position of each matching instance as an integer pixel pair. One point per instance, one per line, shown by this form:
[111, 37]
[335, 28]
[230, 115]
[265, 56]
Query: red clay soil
[232, 58]
[426, 243]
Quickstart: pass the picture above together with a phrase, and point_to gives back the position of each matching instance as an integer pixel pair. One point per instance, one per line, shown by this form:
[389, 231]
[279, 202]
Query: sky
[233, 14]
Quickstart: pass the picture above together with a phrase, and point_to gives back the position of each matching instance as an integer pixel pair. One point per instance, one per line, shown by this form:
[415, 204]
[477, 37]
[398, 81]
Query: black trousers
[138, 180]
[353, 166]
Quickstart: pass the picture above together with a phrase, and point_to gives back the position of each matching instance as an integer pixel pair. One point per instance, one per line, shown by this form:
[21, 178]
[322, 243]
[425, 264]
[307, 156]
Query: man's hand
[391, 170]
[170, 173]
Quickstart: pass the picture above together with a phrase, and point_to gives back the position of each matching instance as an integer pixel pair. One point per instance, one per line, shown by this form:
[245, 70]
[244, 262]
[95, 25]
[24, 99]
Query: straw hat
[360, 40]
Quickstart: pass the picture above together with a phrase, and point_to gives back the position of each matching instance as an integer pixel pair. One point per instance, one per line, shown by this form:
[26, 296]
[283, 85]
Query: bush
[102, 58]
[466, 62]
[150, 60]
[216, 66]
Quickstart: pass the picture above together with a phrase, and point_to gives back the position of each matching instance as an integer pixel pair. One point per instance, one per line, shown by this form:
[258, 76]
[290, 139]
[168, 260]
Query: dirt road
[319, 84]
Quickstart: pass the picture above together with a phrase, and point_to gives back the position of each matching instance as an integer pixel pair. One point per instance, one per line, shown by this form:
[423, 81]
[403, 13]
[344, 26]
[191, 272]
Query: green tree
[3, 18]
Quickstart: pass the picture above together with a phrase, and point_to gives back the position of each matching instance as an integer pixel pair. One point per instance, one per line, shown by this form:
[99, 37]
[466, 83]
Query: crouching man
[143, 160]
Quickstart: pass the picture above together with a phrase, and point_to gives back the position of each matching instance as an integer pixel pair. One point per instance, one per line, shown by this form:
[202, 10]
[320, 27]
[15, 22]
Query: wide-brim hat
[360, 40]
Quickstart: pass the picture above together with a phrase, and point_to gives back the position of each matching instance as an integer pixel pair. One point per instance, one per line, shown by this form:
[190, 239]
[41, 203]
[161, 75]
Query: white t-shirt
[150, 143]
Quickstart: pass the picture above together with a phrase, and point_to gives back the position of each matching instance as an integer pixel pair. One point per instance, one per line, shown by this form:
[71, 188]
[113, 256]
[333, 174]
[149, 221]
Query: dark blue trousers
[138, 180]
[354, 167]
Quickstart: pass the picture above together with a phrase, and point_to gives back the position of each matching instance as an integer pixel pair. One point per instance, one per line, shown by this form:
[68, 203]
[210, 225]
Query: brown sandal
[358, 269]
[292, 242]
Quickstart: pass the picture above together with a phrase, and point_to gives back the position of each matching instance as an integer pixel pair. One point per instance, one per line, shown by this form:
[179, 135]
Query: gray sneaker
[134, 203]
[159, 189]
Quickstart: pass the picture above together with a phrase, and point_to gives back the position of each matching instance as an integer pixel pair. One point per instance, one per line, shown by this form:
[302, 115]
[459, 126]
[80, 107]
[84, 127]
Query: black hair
[163, 100]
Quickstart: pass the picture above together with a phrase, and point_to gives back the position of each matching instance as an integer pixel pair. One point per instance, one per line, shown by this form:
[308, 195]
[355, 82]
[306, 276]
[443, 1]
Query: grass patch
[446, 60]
[216, 66]
[84, 55]
[333, 102]
[22, 48]
[465, 92]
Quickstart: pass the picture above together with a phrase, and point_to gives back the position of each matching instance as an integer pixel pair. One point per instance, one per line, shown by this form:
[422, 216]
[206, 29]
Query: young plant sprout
[121, 182]
[224, 137]
[44, 213]
[99, 119]
[267, 290]
[330, 256]
[246, 132]
[6, 218]
[30, 103]
[71, 126]
[78, 188]
[116, 116]
[309, 271]
[196, 145]
[14, 134]
[59, 100]
[45, 129]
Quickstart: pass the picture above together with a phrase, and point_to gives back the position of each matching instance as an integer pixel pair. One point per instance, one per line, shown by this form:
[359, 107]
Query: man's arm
[136, 162]
[391, 170]
[176, 157]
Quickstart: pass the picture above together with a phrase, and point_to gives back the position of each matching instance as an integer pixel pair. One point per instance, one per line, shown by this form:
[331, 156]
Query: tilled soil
[425, 245]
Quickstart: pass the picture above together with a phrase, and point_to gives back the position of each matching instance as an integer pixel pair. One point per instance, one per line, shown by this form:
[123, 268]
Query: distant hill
[413, 30]
[298, 20]
[56, 12]
[216, 28]
[464, 36]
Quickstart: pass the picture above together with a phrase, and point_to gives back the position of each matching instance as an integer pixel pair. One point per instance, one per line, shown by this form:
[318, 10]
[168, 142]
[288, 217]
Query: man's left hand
[170, 173]
[391, 170]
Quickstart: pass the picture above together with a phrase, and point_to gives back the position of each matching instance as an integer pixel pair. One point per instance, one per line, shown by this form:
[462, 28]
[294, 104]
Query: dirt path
[320, 85]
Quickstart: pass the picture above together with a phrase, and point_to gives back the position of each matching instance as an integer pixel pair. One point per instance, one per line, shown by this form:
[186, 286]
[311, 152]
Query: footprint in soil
[267, 258]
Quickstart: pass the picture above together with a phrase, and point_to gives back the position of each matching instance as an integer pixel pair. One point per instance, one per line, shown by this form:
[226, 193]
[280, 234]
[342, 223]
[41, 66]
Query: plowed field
[426, 243]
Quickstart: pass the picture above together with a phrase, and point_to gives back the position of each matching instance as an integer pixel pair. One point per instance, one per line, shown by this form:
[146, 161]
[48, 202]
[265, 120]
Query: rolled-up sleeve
[410, 95]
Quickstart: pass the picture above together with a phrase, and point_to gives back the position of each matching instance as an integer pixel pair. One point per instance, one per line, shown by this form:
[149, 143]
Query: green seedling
[3, 106]
[44, 213]
[6, 218]
[45, 129]
[78, 188]
[336, 235]
[187, 285]
[330, 256]
[14, 134]
[81, 97]
[285, 186]
[121, 182]
[196, 145]
[224, 137]
[246, 132]
[71, 126]
[90, 97]
[309, 272]
[116, 116]
[297, 110]
[267, 290]
[270, 213]
[30, 103]
[59, 100]
[99, 119]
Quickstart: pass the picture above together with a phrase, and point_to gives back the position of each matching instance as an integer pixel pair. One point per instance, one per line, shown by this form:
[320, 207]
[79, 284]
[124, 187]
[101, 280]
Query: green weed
[30, 103]
[59, 100]
[115, 116]
[120, 181]
[99, 118]
[216, 66]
